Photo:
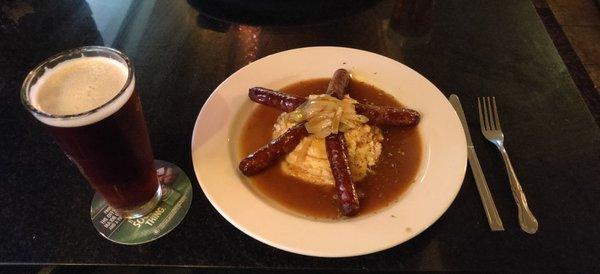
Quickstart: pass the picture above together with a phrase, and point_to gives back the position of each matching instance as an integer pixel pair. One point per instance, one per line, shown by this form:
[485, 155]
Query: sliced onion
[335, 122]
[325, 114]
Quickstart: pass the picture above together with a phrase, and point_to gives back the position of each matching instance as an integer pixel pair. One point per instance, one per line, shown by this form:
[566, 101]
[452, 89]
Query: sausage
[267, 155]
[275, 99]
[340, 167]
[288, 103]
[388, 116]
[379, 116]
[338, 83]
[337, 152]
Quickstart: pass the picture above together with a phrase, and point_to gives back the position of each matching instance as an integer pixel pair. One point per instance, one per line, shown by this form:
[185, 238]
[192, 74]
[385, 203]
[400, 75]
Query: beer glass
[108, 141]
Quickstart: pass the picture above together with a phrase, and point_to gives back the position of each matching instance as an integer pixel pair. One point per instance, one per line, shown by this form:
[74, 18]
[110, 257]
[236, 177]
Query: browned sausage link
[288, 103]
[275, 99]
[340, 167]
[389, 116]
[338, 83]
[338, 154]
[267, 155]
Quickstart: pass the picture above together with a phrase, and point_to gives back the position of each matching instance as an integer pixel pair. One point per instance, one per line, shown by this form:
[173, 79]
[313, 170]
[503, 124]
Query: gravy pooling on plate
[395, 169]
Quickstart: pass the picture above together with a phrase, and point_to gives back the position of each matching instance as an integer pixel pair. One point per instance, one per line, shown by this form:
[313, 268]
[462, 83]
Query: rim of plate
[215, 156]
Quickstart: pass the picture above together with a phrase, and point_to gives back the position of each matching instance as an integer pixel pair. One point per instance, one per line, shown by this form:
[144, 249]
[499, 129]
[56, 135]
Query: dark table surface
[183, 49]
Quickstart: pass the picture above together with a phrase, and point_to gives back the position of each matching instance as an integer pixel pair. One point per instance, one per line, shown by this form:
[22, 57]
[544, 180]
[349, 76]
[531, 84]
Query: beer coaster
[174, 205]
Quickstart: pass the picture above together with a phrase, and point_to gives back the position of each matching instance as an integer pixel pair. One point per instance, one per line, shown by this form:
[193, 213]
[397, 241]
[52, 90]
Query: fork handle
[527, 221]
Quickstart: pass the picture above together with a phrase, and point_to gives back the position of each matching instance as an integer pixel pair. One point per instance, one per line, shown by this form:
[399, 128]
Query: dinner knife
[484, 192]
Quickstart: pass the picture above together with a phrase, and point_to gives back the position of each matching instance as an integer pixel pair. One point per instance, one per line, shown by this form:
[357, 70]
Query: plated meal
[330, 148]
[398, 151]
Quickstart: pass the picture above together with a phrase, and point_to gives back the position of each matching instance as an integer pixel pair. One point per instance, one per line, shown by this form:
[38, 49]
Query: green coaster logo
[148, 220]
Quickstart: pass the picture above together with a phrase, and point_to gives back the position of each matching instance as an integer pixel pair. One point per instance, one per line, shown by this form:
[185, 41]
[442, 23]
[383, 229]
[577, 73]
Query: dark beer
[114, 155]
[87, 99]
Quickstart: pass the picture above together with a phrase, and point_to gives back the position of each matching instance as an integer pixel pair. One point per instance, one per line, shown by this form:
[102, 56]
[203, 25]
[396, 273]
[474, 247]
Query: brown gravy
[394, 172]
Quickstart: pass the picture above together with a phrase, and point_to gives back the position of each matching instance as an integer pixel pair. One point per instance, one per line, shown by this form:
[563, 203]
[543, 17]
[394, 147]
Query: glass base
[153, 219]
[144, 209]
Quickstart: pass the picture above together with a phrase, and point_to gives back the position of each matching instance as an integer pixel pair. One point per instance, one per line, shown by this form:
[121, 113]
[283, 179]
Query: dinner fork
[490, 127]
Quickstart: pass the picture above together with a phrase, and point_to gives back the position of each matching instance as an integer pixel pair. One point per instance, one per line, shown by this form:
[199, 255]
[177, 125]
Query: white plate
[215, 141]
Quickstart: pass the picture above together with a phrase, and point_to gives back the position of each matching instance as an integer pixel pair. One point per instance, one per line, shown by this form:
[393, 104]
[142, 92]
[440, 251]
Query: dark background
[183, 50]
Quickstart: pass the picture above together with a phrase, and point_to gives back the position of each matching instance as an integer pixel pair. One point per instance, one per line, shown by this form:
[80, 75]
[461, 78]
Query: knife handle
[484, 192]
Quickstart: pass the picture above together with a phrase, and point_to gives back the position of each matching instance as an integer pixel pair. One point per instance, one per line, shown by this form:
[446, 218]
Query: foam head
[79, 91]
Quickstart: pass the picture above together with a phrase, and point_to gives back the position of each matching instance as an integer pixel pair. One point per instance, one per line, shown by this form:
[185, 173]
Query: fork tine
[496, 118]
[481, 120]
[490, 115]
[486, 117]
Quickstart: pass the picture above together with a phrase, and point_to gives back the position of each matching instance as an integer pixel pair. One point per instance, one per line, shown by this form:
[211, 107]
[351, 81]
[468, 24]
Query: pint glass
[86, 98]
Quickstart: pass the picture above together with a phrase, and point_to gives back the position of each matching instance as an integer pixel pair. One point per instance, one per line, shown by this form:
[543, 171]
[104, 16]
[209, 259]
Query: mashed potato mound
[308, 161]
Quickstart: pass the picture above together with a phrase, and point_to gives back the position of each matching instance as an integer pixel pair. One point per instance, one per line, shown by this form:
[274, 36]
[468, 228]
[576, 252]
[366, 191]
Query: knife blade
[484, 192]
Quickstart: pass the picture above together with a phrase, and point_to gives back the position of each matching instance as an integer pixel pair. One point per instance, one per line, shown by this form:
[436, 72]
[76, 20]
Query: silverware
[484, 192]
[490, 127]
